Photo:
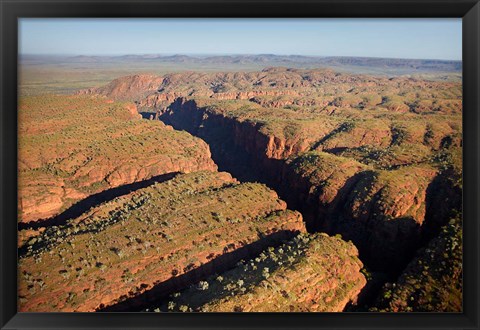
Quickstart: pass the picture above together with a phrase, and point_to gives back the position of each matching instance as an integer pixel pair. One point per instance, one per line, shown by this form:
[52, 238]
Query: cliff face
[73, 147]
[432, 281]
[152, 242]
[382, 211]
[200, 121]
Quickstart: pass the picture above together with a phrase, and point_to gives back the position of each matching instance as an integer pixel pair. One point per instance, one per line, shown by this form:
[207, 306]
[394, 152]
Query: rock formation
[310, 273]
[71, 147]
[126, 88]
[365, 195]
[152, 242]
[432, 281]
[372, 159]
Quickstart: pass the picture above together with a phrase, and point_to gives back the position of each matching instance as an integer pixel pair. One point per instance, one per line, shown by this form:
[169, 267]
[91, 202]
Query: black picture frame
[11, 10]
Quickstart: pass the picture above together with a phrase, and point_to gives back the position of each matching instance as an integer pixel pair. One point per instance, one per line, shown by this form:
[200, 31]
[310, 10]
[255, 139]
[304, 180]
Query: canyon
[353, 177]
[360, 169]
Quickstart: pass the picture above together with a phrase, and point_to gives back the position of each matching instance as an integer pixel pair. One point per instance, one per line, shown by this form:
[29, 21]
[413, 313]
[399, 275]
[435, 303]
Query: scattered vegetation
[432, 282]
[73, 146]
[291, 277]
[363, 156]
[148, 236]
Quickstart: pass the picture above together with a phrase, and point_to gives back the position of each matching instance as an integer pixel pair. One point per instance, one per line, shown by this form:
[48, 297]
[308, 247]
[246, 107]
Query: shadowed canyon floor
[374, 162]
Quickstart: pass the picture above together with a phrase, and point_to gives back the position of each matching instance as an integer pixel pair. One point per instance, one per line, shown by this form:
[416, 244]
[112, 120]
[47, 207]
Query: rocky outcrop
[92, 147]
[126, 88]
[311, 273]
[158, 101]
[152, 242]
[252, 94]
[357, 136]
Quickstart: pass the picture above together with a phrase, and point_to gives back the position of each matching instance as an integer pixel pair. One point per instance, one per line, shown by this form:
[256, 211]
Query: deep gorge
[239, 148]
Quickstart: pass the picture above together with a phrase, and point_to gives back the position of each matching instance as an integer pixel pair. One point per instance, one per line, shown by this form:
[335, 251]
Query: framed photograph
[217, 164]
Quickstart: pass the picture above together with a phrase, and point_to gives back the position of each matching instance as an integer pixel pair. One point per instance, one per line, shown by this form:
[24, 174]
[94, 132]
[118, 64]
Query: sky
[433, 38]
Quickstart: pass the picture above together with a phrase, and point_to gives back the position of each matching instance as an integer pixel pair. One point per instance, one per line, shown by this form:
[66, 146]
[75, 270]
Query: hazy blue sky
[400, 38]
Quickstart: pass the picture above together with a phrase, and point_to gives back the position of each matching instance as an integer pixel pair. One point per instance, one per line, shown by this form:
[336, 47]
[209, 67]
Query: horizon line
[235, 54]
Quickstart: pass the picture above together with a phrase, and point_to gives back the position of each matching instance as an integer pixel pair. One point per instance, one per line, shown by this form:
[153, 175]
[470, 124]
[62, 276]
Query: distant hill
[354, 64]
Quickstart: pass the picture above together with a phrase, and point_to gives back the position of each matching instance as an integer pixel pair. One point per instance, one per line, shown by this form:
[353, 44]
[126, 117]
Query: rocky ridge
[75, 146]
[142, 246]
[310, 273]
